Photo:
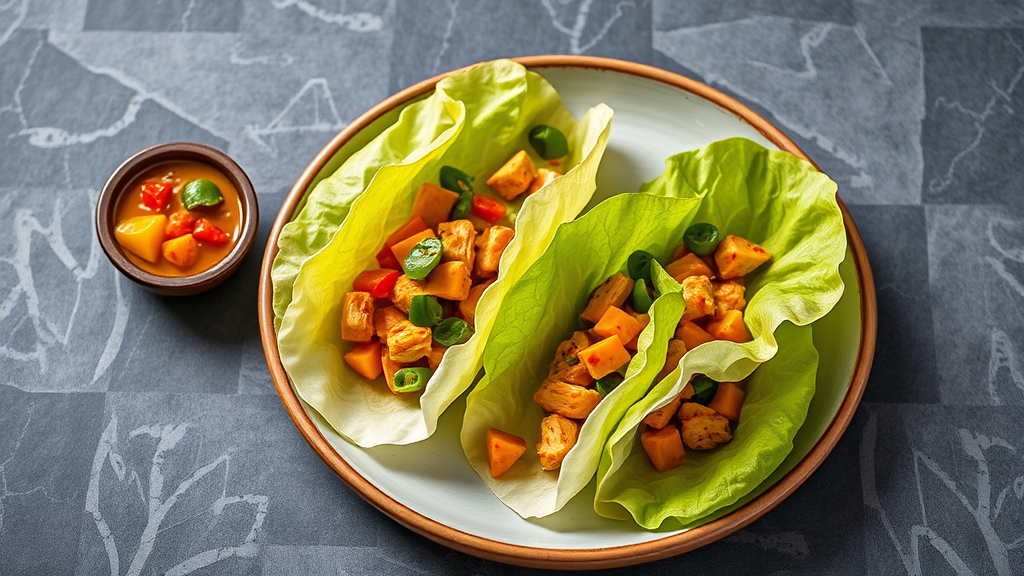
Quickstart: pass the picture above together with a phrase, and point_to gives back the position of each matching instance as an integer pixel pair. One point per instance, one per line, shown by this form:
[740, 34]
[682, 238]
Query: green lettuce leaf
[789, 208]
[543, 309]
[475, 120]
[778, 395]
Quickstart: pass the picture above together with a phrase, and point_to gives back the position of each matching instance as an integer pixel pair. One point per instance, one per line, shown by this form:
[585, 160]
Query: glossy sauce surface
[226, 215]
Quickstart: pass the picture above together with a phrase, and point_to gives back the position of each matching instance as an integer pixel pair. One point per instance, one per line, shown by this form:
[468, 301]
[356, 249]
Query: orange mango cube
[689, 265]
[728, 400]
[604, 357]
[737, 257]
[365, 360]
[693, 335]
[664, 448]
[503, 450]
[615, 322]
[402, 249]
[433, 204]
[730, 327]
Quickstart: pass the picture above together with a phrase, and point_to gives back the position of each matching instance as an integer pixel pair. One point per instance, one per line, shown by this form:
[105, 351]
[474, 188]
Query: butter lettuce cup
[540, 319]
[784, 205]
[330, 275]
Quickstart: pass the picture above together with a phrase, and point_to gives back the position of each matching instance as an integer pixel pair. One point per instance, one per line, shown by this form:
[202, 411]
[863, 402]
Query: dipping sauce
[160, 235]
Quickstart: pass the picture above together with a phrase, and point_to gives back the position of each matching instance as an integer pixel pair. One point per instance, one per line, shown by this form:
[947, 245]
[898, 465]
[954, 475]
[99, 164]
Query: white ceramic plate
[432, 479]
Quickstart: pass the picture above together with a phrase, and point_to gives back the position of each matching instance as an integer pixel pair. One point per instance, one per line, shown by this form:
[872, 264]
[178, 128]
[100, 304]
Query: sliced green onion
[424, 310]
[423, 258]
[638, 266]
[702, 238]
[452, 331]
[704, 389]
[456, 180]
[411, 379]
[462, 207]
[642, 300]
[609, 383]
[549, 142]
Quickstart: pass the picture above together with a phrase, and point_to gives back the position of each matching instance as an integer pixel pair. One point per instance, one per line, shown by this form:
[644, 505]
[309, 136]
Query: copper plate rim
[568, 558]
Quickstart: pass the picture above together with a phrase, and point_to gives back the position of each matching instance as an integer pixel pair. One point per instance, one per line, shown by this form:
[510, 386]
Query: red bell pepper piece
[208, 232]
[156, 195]
[179, 224]
[490, 210]
[386, 258]
[378, 283]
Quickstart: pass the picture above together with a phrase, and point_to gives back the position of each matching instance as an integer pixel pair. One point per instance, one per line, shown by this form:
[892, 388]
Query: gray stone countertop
[916, 109]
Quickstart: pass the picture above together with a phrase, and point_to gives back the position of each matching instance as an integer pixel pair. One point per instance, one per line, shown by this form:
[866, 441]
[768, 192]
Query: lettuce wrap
[783, 204]
[546, 305]
[475, 120]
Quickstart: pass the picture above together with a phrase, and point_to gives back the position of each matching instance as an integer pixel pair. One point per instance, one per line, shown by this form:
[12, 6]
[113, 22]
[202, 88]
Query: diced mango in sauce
[142, 236]
[181, 251]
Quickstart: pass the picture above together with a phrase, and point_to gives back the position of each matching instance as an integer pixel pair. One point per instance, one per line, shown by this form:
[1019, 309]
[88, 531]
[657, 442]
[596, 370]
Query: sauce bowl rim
[106, 206]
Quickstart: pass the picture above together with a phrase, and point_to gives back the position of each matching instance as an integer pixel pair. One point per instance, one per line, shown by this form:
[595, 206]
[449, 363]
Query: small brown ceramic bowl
[117, 184]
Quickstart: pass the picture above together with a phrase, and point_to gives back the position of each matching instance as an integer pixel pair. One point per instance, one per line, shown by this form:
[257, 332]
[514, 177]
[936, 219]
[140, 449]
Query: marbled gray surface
[108, 466]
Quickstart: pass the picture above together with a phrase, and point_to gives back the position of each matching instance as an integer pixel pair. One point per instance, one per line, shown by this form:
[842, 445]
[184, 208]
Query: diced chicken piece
[408, 342]
[514, 177]
[576, 374]
[492, 244]
[662, 416]
[449, 280]
[357, 317]
[544, 177]
[569, 349]
[702, 427]
[467, 307]
[568, 400]
[613, 292]
[676, 349]
[436, 355]
[557, 436]
[699, 297]
[457, 240]
[433, 204]
[384, 319]
[567, 366]
[405, 289]
[689, 265]
[737, 257]
[728, 296]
